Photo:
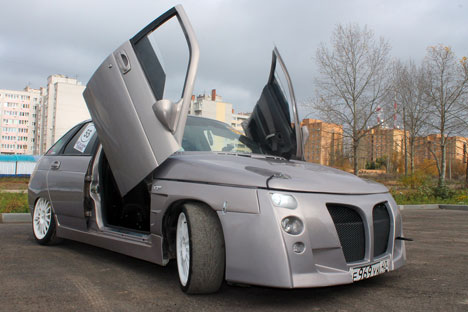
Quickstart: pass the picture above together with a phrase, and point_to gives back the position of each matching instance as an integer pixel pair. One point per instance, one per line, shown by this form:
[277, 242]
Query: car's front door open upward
[274, 123]
[139, 98]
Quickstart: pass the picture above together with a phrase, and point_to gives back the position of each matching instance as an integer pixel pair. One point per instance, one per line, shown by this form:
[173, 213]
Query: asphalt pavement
[77, 277]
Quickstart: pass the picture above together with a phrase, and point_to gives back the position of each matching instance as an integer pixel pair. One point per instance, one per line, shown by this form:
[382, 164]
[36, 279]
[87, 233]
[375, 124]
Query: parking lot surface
[77, 277]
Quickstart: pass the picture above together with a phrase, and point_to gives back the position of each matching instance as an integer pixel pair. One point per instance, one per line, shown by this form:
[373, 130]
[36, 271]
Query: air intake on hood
[350, 229]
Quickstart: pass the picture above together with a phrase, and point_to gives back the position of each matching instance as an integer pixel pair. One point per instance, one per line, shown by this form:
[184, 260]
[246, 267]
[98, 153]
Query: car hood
[262, 171]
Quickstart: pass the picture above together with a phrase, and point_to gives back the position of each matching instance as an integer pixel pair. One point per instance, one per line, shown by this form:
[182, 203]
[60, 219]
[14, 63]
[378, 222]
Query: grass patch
[423, 197]
[13, 202]
[14, 183]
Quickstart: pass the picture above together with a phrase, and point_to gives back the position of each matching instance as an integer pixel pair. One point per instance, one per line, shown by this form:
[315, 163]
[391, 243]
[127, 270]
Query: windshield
[203, 134]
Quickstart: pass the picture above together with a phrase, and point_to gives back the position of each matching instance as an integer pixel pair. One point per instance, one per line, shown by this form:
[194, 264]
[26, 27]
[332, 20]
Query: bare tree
[447, 93]
[353, 81]
[410, 85]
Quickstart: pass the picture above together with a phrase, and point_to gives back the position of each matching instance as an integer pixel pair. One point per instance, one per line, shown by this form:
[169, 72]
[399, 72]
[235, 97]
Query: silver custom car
[144, 179]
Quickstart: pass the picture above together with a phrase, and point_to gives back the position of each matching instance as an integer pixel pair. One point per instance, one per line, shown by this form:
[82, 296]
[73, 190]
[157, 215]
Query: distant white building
[211, 106]
[238, 119]
[18, 120]
[62, 107]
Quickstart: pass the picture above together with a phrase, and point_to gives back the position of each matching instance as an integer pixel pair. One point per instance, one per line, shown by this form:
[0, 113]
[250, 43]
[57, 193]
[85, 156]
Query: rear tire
[43, 223]
[200, 249]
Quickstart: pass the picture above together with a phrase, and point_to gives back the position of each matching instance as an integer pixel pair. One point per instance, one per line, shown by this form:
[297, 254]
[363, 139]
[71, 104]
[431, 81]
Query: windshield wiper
[252, 155]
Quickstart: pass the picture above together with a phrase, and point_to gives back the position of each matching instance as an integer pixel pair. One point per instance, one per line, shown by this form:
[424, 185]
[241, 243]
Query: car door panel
[120, 131]
[138, 129]
[66, 175]
[274, 123]
[66, 186]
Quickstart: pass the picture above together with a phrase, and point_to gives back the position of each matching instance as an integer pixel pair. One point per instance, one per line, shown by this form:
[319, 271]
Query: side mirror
[168, 113]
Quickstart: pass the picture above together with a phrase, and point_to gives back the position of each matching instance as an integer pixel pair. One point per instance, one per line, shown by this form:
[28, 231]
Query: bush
[442, 192]
[379, 163]
[417, 180]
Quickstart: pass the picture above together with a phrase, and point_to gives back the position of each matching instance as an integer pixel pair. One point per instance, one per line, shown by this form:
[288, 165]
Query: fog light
[299, 247]
[292, 225]
[283, 200]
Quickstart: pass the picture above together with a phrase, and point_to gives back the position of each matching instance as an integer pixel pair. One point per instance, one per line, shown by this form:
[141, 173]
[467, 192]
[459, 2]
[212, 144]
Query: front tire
[43, 223]
[200, 249]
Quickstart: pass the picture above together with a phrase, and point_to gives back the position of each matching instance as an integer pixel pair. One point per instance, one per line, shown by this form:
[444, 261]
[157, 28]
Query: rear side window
[58, 146]
[83, 142]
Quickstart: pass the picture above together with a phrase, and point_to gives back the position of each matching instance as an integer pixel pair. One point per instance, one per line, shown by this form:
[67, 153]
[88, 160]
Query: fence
[17, 165]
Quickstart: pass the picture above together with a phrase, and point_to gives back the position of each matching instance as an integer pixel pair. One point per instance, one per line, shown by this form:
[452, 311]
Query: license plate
[363, 272]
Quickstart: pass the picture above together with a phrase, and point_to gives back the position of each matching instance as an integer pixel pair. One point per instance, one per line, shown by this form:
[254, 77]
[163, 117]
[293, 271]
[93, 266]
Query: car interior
[130, 212]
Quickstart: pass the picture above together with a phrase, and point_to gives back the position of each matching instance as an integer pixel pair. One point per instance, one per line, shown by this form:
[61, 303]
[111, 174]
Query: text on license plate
[363, 272]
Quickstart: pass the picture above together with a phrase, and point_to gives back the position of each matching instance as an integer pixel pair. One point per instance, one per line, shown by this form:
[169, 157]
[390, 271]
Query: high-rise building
[62, 107]
[456, 149]
[18, 111]
[424, 146]
[381, 142]
[211, 106]
[325, 142]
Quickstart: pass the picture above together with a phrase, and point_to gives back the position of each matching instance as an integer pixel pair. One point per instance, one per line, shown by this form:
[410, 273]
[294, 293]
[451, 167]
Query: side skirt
[147, 248]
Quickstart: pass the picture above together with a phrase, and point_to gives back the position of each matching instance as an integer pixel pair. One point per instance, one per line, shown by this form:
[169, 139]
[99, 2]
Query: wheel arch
[44, 194]
[169, 224]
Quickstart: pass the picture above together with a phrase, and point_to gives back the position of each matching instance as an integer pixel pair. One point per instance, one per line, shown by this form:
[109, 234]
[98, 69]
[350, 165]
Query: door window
[58, 146]
[164, 56]
[83, 142]
[280, 83]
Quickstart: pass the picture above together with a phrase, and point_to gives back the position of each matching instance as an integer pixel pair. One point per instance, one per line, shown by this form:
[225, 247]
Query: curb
[454, 207]
[434, 206]
[418, 207]
[15, 218]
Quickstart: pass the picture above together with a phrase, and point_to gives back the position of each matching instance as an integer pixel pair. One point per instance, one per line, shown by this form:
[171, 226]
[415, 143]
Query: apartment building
[457, 148]
[238, 119]
[211, 106]
[427, 146]
[62, 107]
[325, 142]
[381, 142]
[18, 111]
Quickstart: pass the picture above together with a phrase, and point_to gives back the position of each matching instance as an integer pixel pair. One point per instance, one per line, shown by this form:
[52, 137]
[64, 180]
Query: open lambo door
[274, 123]
[140, 95]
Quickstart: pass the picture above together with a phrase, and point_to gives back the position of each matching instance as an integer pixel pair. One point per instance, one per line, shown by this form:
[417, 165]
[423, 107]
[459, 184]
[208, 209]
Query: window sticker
[85, 137]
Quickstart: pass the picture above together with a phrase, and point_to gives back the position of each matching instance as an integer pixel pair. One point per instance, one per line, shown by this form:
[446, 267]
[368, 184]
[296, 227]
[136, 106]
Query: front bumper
[259, 252]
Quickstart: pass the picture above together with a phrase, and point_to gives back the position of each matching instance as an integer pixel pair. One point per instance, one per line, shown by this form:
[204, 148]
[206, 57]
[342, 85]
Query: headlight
[283, 200]
[292, 225]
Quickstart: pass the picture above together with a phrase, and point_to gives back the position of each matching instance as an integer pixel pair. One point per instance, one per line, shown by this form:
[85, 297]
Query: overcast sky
[40, 38]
